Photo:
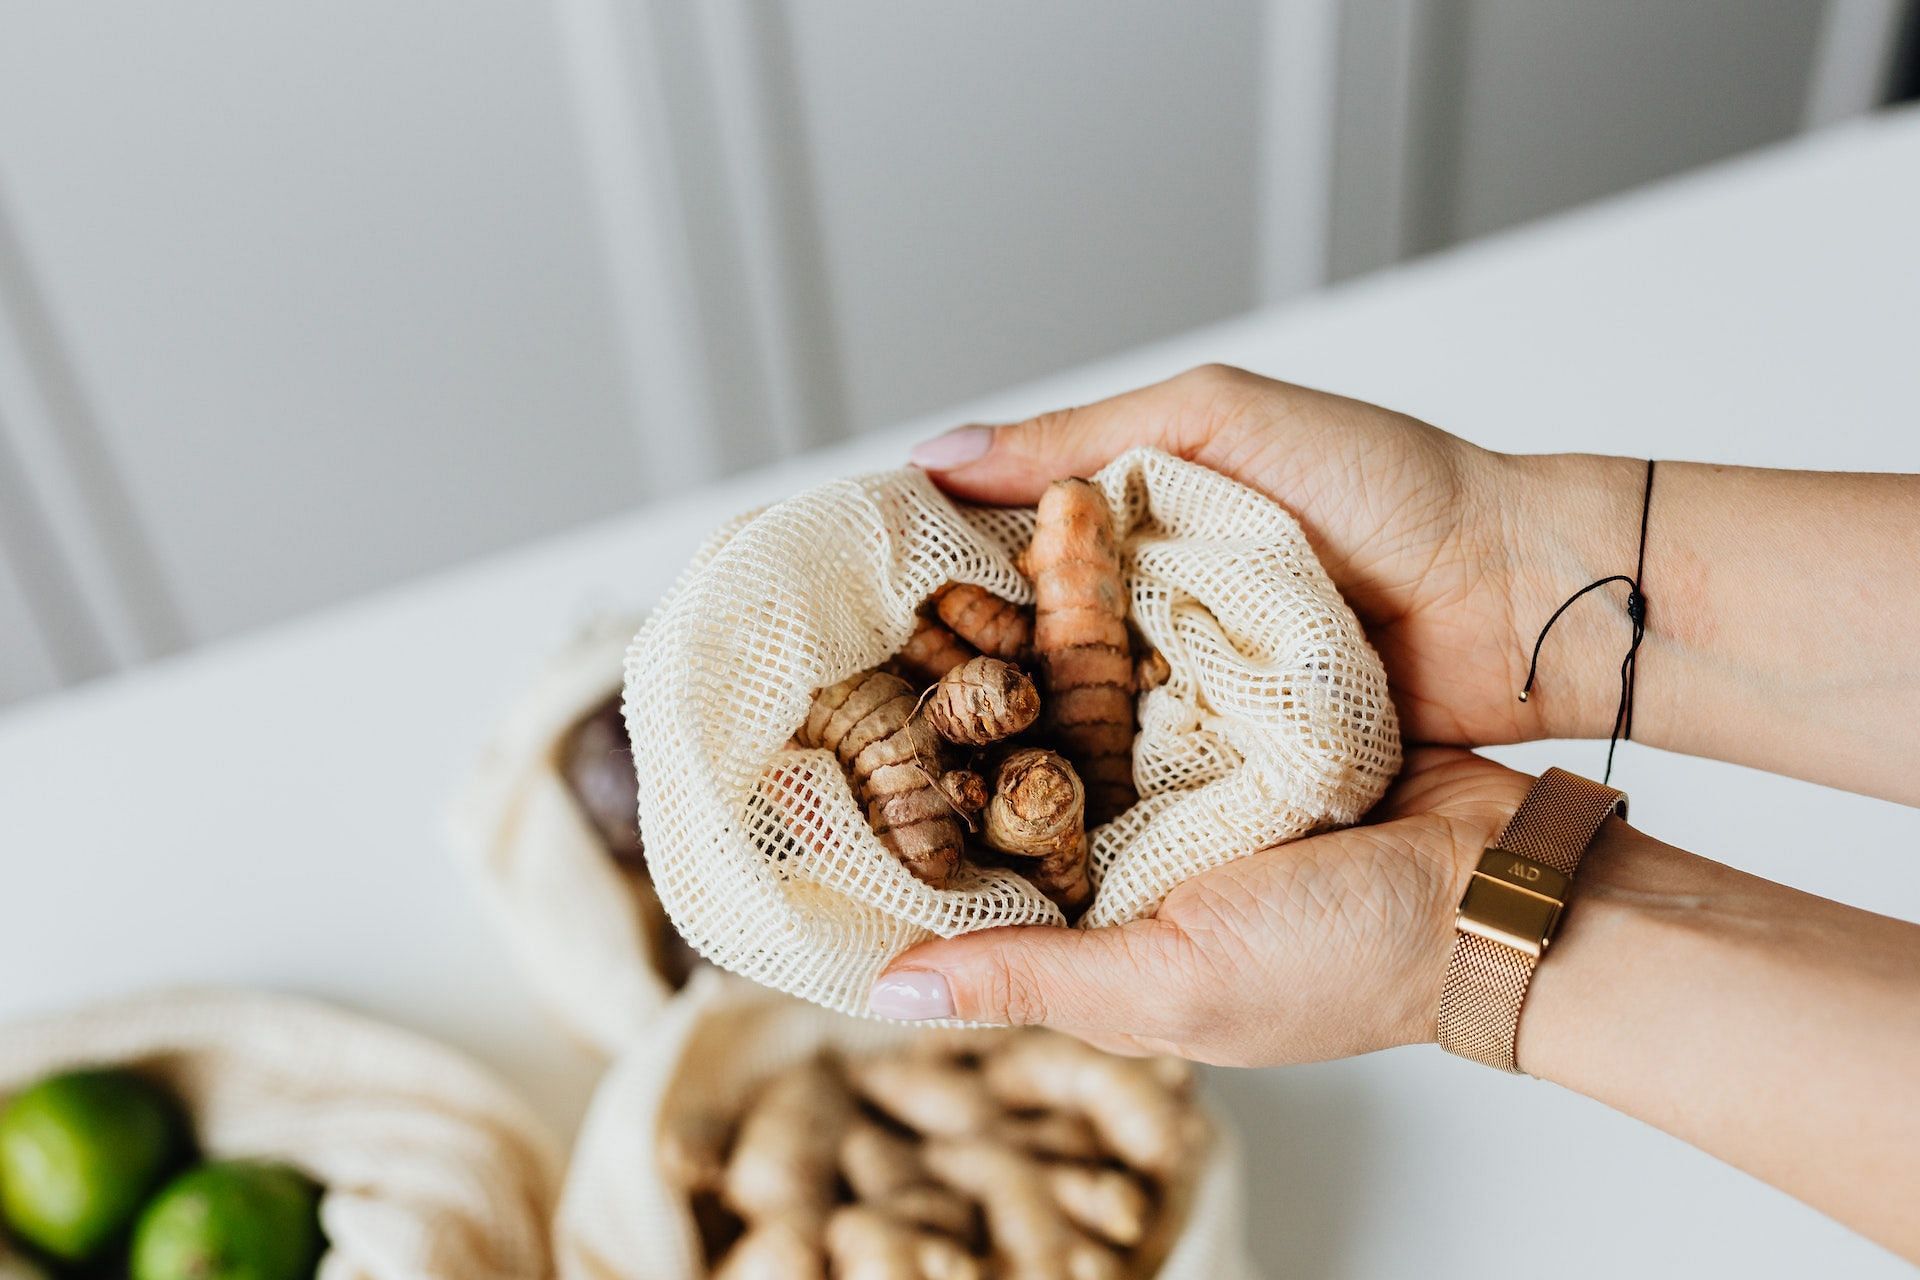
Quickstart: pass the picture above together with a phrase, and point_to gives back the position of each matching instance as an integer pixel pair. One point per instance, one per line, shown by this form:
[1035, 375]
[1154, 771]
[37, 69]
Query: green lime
[230, 1220]
[79, 1153]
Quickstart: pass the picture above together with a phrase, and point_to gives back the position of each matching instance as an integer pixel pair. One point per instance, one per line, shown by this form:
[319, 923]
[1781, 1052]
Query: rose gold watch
[1510, 910]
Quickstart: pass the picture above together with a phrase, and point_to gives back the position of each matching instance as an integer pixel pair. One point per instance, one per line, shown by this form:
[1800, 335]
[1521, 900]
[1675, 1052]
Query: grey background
[300, 301]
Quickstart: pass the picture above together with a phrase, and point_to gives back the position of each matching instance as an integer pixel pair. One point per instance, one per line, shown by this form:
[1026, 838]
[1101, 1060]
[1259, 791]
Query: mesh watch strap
[1487, 979]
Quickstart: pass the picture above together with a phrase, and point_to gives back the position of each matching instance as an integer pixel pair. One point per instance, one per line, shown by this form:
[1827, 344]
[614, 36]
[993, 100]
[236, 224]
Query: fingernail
[911, 997]
[955, 448]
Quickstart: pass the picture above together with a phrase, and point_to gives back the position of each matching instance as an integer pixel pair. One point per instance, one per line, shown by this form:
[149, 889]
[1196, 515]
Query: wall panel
[328, 276]
[1007, 188]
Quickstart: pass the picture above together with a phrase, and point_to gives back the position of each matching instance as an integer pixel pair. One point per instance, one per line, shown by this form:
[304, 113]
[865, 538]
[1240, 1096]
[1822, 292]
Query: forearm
[1782, 607]
[1773, 1029]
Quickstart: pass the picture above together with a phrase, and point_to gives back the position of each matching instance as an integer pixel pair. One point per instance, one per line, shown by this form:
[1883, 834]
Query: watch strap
[1487, 978]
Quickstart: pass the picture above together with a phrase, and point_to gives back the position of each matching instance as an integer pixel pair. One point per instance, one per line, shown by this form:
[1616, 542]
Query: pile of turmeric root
[1008, 725]
[1009, 1155]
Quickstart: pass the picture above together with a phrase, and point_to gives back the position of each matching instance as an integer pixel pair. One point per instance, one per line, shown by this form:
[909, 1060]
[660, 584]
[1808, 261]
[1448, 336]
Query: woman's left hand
[1321, 948]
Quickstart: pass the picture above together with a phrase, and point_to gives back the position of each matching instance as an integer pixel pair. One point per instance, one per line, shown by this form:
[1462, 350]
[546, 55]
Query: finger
[1013, 464]
[1126, 980]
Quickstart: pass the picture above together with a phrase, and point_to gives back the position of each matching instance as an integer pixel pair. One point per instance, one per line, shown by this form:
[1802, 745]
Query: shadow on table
[1305, 1136]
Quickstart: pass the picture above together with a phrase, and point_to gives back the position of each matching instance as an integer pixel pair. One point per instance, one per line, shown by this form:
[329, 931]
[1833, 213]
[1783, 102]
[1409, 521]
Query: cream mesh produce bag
[1275, 722]
[431, 1169]
[585, 931]
[620, 1219]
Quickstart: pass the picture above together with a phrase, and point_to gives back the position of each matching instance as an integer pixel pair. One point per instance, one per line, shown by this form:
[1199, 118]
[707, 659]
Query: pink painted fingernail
[955, 448]
[911, 997]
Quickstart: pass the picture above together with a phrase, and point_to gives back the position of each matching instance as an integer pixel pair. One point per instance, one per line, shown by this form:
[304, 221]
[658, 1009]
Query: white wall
[1006, 188]
[1555, 104]
[325, 279]
[299, 301]
[31, 665]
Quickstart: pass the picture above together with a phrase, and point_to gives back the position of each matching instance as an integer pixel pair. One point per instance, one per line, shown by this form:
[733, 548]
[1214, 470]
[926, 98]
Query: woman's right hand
[1444, 550]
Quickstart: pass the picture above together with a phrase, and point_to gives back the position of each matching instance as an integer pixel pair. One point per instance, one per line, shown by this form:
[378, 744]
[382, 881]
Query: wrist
[1601, 928]
[1516, 891]
[1449, 865]
[1568, 520]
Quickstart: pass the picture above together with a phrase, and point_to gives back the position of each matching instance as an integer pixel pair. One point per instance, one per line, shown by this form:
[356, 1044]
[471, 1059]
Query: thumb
[1117, 979]
[1013, 464]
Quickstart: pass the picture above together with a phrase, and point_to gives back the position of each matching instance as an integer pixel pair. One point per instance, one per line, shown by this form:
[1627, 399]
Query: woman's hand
[1447, 552]
[1325, 947]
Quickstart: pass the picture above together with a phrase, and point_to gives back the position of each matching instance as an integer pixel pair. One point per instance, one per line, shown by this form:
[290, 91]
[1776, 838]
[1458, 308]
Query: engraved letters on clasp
[1513, 900]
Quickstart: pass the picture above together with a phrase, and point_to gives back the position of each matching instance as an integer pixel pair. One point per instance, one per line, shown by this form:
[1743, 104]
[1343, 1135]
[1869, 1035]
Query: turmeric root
[982, 701]
[1150, 671]
[1126, 1100]
[1038, 812]
[964, 789]
[1081, 642]
[894, 757]
[786, 1154]
[998, 628]
[930, 652]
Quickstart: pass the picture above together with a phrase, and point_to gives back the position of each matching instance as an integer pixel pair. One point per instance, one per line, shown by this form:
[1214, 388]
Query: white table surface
[268, 811]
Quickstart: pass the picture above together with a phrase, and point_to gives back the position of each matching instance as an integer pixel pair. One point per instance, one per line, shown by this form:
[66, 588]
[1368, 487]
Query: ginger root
[877, 1163]
[926, 1095]
[1081, 642]
[1111, 1204]
[982, 701]
[1052, 1135]
[932, 1206]
[930, 652]
[1032, 1238]
[1010, 1155]
[866, 1244]
[786, 1154]
[1038, 814]
[1128, 1101]
[941, 1098]
[895, 758]
[998, 628]
[776, 1248]
[884, 1169]
[693, 1151]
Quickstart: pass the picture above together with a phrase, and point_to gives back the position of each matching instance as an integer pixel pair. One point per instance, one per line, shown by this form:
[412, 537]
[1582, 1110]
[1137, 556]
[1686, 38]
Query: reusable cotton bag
[431, 1169]
[585, 930]
[1275, 722]
[620, 1219]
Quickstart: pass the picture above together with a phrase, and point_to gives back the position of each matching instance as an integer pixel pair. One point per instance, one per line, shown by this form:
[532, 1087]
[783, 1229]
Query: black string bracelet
[1636, 614]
